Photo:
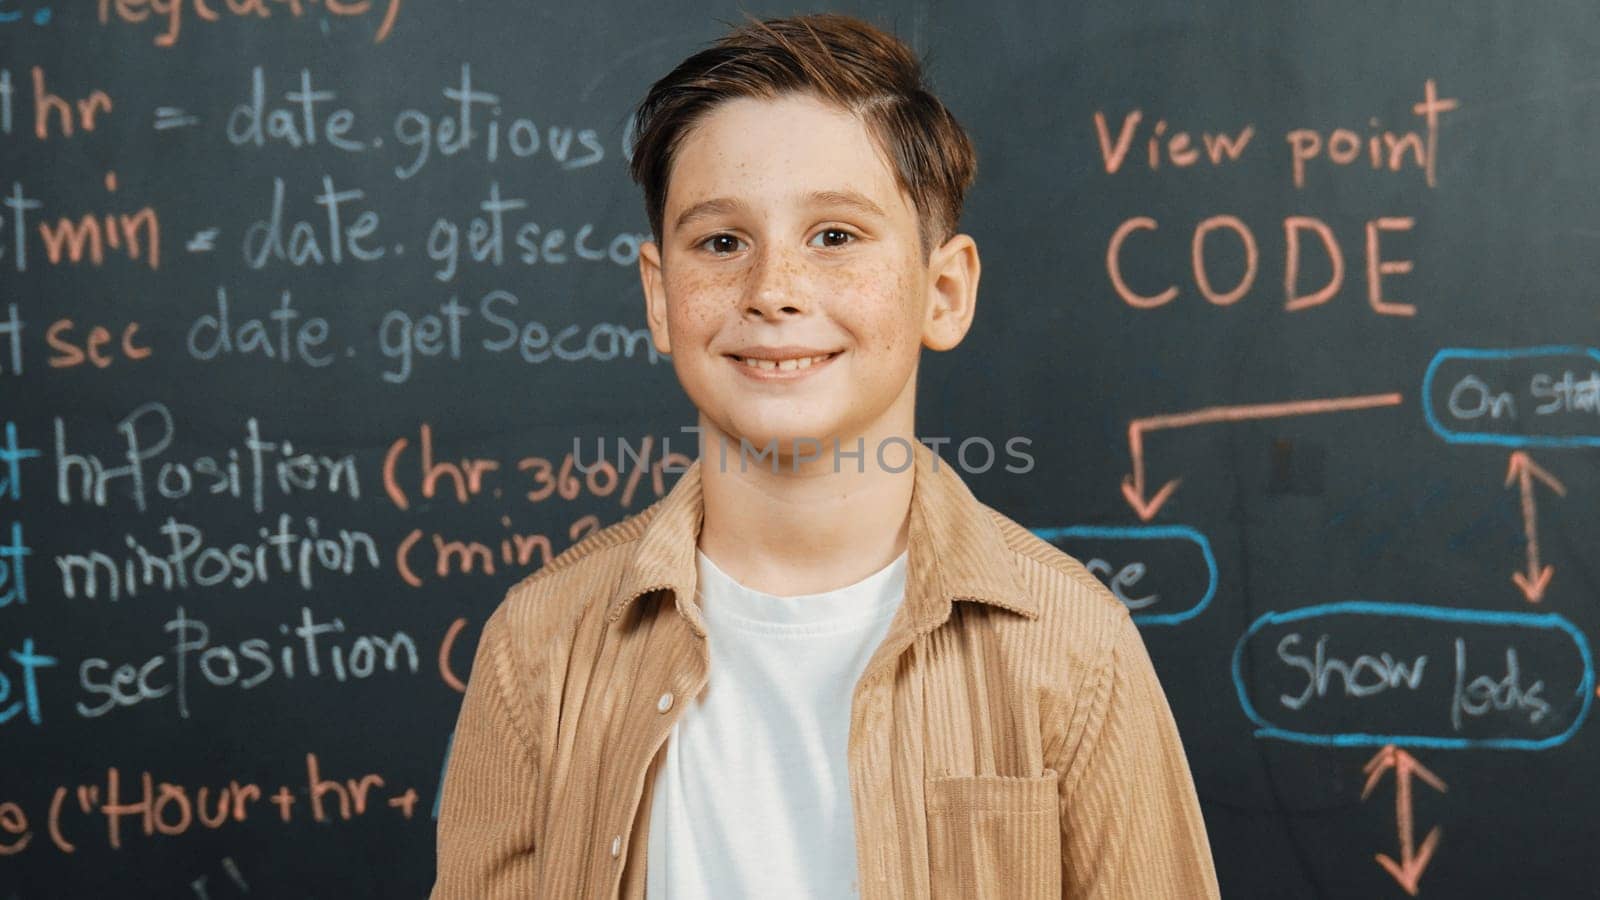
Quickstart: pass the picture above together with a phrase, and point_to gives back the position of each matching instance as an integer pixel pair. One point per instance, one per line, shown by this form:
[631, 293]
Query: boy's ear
[953, 271]
[655, 296]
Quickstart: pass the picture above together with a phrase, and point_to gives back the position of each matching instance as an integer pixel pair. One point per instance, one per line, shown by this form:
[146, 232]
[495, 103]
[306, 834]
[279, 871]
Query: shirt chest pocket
[994, 836]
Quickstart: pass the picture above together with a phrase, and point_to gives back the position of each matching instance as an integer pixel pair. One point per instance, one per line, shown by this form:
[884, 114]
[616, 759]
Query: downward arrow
[1133, 484]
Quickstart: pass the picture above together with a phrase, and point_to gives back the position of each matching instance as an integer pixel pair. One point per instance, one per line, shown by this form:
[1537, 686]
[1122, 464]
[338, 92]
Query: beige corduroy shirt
[1008, 738]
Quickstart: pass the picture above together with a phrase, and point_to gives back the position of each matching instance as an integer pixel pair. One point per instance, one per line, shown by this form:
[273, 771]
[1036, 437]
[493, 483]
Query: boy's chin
[801, 444]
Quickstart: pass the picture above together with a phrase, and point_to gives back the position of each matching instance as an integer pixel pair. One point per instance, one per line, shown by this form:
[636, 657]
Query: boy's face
[784, 228]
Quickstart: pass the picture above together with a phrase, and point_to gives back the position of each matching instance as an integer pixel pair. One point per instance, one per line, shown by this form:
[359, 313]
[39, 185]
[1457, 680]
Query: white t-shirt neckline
[726, 601]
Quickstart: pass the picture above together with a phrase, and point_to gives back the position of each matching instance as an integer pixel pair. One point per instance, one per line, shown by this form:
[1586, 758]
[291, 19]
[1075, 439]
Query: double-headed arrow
[1408, 871]
[1524, 470]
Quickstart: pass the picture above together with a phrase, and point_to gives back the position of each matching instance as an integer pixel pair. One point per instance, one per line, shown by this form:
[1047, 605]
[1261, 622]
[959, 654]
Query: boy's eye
[840, 232]
[723, 244]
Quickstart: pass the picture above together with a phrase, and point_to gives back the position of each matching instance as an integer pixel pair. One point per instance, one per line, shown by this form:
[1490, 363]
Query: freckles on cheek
[694, 298]
[894, 320]
[888, 331]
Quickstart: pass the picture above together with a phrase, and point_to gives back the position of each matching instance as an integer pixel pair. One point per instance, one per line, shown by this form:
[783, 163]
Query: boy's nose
[776, 286]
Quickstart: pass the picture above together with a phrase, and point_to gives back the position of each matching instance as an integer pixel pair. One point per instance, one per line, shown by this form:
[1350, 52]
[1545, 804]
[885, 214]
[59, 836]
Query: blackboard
[305, 305]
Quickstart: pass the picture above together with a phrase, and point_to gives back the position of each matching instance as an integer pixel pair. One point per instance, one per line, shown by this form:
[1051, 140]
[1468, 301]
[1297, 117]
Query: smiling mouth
[787, 365]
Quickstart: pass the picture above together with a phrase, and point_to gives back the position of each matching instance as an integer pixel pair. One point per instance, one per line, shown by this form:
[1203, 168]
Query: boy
[829, 671]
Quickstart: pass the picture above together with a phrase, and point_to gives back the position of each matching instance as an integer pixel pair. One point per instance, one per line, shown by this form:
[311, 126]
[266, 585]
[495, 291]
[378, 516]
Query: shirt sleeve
[486, 830]
[1131, 827]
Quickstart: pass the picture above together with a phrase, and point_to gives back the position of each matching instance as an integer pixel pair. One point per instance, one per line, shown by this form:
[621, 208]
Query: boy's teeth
[785, 365]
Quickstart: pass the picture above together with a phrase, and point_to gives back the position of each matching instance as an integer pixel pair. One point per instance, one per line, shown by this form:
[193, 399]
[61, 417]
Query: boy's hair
[840, 60]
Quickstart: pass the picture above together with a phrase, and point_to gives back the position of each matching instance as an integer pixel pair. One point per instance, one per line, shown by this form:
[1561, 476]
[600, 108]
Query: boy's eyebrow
[727, 205]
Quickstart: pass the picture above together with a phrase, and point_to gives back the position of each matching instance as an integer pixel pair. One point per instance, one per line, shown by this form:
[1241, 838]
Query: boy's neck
[820, 528]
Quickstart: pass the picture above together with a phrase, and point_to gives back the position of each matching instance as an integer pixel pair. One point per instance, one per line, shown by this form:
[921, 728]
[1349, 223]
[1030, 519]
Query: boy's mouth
[784, 363]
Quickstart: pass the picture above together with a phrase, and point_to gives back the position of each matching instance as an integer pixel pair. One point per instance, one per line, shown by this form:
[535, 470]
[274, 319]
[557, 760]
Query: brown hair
[842, 60]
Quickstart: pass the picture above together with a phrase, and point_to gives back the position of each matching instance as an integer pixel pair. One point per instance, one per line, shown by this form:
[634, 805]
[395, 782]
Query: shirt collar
[956, 549]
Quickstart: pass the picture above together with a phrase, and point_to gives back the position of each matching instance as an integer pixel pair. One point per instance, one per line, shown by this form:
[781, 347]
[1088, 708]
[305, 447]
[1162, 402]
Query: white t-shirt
[753, 797]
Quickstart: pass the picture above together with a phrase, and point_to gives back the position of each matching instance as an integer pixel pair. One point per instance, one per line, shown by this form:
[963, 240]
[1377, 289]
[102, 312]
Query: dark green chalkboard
[1370, 374]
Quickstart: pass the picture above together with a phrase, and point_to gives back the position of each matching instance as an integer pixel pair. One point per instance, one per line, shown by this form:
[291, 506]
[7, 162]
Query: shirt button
[665, 703]
[616, 845]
